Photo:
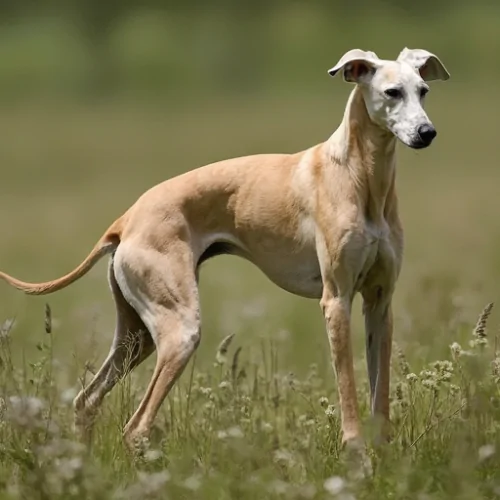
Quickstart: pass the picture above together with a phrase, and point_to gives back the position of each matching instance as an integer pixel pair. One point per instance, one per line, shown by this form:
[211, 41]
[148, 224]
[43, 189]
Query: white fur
[403, 115]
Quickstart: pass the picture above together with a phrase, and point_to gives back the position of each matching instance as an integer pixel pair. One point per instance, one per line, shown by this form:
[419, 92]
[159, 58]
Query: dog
[322, 223]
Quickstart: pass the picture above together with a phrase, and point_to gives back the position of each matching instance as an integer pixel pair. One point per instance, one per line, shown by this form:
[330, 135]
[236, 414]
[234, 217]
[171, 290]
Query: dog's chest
[375, 257]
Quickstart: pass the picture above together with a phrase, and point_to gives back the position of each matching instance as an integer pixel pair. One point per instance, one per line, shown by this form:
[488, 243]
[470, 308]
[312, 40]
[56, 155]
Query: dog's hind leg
[164, 291]
[132, 344]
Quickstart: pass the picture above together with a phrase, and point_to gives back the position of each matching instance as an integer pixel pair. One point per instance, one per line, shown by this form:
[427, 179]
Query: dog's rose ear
[427, 64]
[356, 65]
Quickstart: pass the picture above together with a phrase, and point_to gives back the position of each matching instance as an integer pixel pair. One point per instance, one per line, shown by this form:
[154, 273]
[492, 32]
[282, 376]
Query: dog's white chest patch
[307, 230]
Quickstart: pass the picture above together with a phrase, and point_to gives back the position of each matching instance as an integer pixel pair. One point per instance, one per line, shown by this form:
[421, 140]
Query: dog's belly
[296, 271]
[298, 274]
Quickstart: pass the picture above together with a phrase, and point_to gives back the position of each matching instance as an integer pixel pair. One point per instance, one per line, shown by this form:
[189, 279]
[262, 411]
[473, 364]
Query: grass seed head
[480, 328]
[48, 319]
[220, 357]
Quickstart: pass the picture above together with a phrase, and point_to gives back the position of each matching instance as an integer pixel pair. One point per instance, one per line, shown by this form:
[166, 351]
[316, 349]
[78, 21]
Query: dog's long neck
[368, 152]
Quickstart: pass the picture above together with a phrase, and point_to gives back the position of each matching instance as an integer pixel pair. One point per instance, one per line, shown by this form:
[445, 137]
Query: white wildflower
[323, 401]
[235, 432]
[456, 348]
[330, 411]
[428, 374]
[222, 435]
[443, 366]
[192, 483]
[283, 456]
[429, 384]
[266, 427]
[486, 451]
[209, 406]
[25, 411]
[152, 455]
[334, 485]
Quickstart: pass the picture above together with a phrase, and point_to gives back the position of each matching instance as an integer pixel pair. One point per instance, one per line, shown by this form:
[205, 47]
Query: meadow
[260, 420]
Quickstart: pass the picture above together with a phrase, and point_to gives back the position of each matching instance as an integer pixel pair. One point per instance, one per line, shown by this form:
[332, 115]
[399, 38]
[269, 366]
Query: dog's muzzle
[425, 135]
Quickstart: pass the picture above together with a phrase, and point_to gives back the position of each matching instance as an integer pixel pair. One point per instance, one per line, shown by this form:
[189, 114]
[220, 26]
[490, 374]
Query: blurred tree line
[102, 45]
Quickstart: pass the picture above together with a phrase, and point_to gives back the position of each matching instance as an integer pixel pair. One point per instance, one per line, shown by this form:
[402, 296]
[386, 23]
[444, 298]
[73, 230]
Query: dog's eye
[423, 92]
[393, 93]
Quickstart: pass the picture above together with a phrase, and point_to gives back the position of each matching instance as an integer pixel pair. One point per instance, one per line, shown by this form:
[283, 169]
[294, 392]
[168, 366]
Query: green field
[264, 424]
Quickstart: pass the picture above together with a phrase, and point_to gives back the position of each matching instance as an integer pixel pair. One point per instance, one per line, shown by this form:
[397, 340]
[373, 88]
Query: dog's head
[394, 91]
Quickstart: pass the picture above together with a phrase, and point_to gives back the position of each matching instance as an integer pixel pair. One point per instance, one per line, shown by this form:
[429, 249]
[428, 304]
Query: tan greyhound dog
[322, 223]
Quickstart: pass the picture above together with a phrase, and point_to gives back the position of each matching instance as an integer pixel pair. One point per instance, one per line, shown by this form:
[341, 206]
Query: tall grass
[247, 428]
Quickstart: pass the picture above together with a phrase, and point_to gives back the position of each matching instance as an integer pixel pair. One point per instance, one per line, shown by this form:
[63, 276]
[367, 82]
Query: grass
[246, 427]
[67, 171]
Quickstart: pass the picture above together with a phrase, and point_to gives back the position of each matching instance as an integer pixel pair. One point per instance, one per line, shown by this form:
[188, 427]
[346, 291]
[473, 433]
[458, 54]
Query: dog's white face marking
[394, 91]
[394, 98]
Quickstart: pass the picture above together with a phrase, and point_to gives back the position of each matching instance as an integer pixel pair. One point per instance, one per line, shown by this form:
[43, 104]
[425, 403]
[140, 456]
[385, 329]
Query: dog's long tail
[108, 242]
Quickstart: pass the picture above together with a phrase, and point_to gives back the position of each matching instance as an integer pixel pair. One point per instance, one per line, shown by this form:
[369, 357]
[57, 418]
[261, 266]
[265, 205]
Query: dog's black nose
[426, 133]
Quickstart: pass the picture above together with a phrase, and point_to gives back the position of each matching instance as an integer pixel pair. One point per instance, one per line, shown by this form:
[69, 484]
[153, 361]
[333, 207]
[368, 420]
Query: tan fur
[322, 223]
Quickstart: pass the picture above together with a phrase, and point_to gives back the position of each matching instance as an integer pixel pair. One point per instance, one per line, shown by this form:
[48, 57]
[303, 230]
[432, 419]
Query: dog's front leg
[337, 312]
[379, 326]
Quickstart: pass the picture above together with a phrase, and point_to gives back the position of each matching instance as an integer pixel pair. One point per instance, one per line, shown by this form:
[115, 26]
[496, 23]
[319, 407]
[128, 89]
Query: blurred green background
[100, 100]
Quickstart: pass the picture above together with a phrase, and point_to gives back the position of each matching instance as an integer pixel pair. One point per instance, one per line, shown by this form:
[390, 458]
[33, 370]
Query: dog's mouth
[419, 144]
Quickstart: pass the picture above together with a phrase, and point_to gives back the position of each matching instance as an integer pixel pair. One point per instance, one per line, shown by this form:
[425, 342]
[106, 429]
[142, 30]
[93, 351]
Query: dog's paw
[357, 458]
[137, 445]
